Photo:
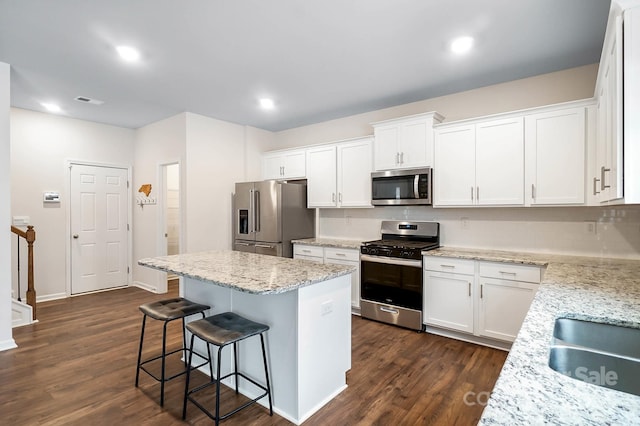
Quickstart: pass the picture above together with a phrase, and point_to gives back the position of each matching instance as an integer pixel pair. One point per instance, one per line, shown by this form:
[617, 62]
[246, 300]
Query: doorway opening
[171, 210]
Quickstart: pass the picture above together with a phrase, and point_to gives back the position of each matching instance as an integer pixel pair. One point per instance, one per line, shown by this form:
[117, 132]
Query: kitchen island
[306, 305]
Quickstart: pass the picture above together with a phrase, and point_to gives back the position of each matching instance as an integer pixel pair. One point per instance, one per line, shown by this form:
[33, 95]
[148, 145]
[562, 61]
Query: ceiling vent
[87, 100]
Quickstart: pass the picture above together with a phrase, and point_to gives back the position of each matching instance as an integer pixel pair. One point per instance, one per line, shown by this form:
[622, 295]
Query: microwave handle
[416, 187]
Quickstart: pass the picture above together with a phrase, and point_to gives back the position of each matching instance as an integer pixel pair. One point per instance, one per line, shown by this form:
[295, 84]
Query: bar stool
[222, 330]
[167, 310]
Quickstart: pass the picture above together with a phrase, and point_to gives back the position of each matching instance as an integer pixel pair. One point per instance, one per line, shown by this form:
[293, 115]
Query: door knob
[75, 236]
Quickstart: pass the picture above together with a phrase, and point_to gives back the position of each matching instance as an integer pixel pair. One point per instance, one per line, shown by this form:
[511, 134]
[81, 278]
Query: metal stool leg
[186, 386]
[235, 364]
[266, 373]
[218, 386]
[164, 357]
[144, 320]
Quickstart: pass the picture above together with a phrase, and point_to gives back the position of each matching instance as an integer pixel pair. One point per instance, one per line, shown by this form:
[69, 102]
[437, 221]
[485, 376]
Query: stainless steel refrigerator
[267, 215]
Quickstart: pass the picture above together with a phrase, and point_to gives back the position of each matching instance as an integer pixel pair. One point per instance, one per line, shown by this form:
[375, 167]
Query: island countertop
[528, 391]
[247, 272]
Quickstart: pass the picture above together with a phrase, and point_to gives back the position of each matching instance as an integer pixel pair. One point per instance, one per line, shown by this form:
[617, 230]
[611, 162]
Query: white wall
[159, 143]
[214, 155]
[41, 145]
[216, 161]
[6, 338]
[536, 229]
[545, 89]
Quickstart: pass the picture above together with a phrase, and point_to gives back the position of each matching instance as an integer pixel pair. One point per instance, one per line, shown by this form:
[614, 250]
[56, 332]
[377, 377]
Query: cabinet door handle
[603, 185]
[507, 273]
[447, 266]
[340, 254]
[595, 186]
[397, 158]
[533, 191]
[333, 197]
[306, 250]
[477, 193]
[402, 158]
[340, 196]
[481, 294]
[469, 289]
[472, 193]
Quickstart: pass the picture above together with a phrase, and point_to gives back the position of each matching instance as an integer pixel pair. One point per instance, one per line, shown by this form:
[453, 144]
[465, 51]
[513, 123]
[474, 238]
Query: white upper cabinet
[555, 157]
[321, 177]
[615, 173]
[454, 175]
[354, 173]
[500, 162]
[339, 175]
[480, 163]
[285, 164]
[405, 142]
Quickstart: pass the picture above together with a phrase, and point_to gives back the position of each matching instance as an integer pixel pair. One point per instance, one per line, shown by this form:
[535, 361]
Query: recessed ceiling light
[128, 53]
[461, 45]
[266, 103]
[51, 107]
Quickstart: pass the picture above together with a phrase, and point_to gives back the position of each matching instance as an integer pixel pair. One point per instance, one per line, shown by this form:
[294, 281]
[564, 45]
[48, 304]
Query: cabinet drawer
[310, 258]
[448, 264]
[341, 254]
[507, 271]
[303, 250]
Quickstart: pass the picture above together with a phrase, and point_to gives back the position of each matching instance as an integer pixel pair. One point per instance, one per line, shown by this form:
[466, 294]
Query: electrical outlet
[464, 222]
[326, 307]
[590, 227]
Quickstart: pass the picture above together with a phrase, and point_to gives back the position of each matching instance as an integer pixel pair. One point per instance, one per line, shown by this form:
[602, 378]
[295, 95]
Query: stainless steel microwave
[401, 187]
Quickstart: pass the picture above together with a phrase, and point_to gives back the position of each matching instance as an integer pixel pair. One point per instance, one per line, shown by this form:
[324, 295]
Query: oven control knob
[373, 251]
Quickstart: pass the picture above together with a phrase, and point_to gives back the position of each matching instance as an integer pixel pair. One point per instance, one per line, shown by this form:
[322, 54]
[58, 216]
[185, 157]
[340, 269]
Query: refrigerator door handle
[251, 214]
[256, 211]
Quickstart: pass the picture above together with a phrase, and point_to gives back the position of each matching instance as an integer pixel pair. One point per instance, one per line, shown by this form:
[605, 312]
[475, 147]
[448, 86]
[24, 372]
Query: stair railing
[30, 236]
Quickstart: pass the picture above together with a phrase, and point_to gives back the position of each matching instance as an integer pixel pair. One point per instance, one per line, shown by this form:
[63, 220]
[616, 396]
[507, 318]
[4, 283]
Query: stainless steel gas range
[391, 286]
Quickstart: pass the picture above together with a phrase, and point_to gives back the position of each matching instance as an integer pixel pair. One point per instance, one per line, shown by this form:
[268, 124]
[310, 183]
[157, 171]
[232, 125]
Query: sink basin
[600, 354]
[594, 335]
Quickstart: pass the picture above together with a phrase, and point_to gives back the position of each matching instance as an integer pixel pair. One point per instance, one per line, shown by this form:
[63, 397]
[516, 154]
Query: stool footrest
[235, 410]
[166, 379]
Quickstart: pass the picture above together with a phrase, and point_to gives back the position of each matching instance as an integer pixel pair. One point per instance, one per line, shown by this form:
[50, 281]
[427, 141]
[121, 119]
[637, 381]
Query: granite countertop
[247, 272]
[330, 242]
[527, 390]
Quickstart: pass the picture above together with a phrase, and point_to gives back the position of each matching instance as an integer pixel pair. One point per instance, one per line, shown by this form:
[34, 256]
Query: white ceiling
[318, 59]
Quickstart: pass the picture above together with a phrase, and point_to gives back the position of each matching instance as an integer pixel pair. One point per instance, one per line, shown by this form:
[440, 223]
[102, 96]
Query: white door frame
[161, 225]
[68, 164]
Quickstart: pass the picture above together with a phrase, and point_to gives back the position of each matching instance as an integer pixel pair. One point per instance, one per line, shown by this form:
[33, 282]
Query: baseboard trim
[7, 344]
[48, 297]
[145, 286]
[483, 341]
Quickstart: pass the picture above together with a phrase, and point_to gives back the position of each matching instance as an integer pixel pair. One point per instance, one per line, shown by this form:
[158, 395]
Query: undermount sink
[601, 354]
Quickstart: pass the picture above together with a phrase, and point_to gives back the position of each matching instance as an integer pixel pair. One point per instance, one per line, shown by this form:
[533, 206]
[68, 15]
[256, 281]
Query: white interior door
[99, 245]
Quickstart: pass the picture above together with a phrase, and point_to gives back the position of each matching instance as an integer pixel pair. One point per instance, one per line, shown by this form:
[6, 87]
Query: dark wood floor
[77, 367]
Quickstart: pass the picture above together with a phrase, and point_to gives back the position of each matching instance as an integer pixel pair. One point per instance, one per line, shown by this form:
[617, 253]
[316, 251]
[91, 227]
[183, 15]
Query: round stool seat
[225, 328]
[171, 309]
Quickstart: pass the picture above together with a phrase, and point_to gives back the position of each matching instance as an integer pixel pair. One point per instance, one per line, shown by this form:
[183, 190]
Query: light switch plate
[21, 220]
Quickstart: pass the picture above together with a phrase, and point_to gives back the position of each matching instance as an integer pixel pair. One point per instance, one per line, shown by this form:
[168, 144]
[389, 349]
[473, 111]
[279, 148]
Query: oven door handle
[391, 260]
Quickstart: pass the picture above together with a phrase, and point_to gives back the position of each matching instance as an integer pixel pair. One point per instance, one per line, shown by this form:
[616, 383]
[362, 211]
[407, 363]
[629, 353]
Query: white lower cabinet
[448, 301]
[334, 256]
[483, 299]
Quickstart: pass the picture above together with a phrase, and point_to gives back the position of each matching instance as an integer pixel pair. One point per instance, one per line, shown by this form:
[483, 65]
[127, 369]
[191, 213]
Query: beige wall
[41, 146]
[159, 143]
[561, 86]
[6, 339]
[216, 160]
